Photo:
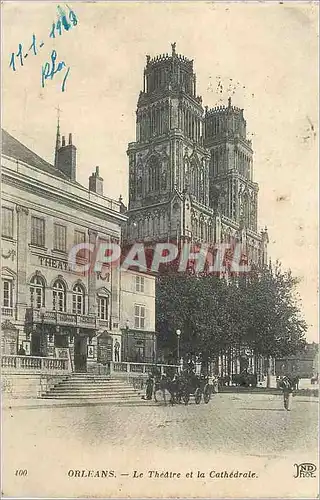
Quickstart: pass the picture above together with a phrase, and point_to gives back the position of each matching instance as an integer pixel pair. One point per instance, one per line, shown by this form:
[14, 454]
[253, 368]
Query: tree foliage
[260, 311]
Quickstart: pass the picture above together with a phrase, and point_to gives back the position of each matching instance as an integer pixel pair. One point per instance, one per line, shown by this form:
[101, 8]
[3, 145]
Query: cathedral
[190, 167]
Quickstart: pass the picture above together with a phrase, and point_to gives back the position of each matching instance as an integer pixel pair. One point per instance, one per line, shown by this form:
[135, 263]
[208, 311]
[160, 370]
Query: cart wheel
[197, 396]
[206, 394]
[186, 398]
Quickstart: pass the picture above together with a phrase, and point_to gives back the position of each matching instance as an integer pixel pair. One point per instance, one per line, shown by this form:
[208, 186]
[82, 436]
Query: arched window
[59, 296]
[201, 229]
[246, 209]
[209, 232]
[193, 180]
[195, 228]
[78, 299]
[37, 292]
[153, 175]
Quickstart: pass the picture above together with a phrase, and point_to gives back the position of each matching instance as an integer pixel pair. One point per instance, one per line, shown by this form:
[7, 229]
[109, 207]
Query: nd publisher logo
[305, 470]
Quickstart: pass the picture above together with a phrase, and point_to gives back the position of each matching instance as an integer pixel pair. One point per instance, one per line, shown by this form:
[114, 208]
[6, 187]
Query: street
[233, 431]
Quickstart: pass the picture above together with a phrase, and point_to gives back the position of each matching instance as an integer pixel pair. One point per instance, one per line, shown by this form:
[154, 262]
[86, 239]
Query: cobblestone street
[246, 430]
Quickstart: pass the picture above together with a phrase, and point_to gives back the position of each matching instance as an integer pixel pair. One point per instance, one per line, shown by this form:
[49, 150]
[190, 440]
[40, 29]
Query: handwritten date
[64, 23]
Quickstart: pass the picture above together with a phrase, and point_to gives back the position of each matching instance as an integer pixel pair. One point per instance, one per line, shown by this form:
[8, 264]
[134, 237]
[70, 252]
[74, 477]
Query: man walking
[286, 385]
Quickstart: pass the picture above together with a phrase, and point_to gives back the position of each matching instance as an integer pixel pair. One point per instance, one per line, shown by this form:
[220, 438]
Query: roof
[15, 149]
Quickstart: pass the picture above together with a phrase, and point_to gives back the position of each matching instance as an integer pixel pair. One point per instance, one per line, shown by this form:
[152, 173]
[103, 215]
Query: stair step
[94, 387]
[72, 396]
[78, 383]
[88, 386]
[123, 393]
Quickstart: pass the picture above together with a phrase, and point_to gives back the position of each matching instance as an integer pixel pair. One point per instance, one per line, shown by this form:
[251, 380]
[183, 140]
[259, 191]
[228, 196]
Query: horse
[174, 387]
[162, 384]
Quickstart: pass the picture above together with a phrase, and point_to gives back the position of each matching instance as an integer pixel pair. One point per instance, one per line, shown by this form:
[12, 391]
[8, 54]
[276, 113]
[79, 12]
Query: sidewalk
[34, 403]
[265, 390]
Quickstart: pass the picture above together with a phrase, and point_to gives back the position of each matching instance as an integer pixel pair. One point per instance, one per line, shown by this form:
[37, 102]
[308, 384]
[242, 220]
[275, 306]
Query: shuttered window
[60, 237]
[37, 231]
[139, 316]
[7, 222]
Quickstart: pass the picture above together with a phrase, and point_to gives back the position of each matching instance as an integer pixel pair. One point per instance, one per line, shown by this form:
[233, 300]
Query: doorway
[80, 354]
[35, 344]
[140, 351]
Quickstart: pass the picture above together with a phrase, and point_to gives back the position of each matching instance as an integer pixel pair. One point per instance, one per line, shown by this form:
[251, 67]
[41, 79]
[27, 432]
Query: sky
[264, 55]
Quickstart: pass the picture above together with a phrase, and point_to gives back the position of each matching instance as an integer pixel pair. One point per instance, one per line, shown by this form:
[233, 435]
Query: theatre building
[48, 308]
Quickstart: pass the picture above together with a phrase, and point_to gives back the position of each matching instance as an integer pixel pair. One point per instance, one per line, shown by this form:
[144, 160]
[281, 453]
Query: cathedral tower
[168, 162]
[232, 189]
[190, 169]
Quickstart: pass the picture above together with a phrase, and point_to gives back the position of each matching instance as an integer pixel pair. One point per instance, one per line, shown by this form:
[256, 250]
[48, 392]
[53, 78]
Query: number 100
[21, 472]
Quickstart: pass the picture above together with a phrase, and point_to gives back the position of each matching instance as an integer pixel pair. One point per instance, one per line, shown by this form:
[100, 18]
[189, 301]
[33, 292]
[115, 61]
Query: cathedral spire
[58, 143]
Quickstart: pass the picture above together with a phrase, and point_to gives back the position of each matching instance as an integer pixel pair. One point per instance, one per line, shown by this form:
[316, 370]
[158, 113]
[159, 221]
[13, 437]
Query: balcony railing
[62, 318]
[136, 369]
[13, 363]
[7, 311]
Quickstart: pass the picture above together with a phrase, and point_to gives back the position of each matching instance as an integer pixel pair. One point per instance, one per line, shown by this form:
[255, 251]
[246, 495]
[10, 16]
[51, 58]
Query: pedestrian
[287, 385]
[149, 387]
[116, 351]
[21, 351]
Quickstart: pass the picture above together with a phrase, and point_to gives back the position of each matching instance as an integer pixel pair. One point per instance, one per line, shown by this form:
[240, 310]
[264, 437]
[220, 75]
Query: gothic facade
[190, 168]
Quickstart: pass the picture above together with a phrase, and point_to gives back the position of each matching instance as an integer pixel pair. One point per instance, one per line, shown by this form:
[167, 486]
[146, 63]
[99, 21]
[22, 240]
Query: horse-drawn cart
[181, 387]
[198, 387]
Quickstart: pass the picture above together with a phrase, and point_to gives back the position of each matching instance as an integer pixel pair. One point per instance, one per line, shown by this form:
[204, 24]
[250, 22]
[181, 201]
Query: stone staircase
[93, 388]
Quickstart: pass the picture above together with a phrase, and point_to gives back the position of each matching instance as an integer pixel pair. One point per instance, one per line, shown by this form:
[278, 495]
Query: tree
[259, 310]
[275, 326]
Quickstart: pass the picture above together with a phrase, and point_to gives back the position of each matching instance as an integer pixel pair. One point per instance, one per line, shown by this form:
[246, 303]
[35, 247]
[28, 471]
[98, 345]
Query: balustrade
[66, 318]
[7, 311]
[61, 317]
[120, 367]
[27, 363]
[90, 320]
[137, 369]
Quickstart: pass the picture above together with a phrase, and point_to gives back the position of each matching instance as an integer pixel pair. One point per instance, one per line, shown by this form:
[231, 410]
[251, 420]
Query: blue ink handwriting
[49, 69]
[20, 55]
[64, 23]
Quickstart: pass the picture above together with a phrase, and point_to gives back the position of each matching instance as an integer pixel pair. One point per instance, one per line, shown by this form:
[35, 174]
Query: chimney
[66, 158]
[96, 182]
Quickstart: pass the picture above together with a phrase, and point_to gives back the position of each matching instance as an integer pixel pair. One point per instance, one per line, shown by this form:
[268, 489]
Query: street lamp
[178, 332]
[126, 344]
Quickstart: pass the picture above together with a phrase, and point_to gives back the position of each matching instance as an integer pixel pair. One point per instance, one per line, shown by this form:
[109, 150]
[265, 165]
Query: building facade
[304, 364]
[48, 308]
[190, 168]
[137, 295]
